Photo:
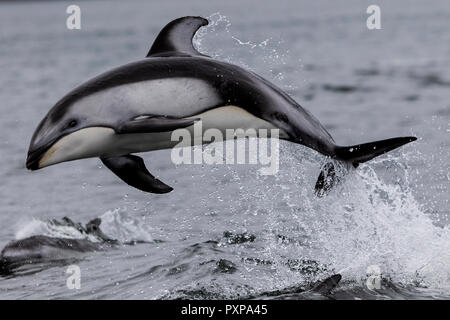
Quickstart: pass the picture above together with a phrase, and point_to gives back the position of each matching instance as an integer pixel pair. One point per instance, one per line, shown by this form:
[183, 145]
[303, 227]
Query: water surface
[226, 231]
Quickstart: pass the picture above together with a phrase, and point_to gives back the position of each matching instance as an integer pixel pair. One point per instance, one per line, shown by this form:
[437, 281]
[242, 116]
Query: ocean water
[226, 231]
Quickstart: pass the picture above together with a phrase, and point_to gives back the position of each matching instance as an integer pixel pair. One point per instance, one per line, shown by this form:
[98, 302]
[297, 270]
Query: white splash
[51, 229]
[120, 225]
[116, 224]
[372, 218]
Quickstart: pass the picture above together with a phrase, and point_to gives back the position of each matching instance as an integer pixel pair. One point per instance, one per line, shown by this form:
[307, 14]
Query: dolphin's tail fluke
[355, 155]
[367, 151]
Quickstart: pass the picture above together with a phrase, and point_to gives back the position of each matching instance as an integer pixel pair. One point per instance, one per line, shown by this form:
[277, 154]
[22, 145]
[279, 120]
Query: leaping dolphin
[135, 108]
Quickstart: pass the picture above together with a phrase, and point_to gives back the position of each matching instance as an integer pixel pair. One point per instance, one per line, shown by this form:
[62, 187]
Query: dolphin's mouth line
[35, 156]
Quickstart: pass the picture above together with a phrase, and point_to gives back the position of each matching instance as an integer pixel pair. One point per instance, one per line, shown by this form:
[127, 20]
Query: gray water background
[363, 85]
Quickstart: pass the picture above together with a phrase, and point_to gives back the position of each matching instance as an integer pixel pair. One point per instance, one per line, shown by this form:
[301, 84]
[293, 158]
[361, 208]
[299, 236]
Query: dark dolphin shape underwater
[41, 249]
[135, 108]
[323, 288]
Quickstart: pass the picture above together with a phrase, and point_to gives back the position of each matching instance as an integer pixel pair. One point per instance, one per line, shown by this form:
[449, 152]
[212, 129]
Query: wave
[117, 224]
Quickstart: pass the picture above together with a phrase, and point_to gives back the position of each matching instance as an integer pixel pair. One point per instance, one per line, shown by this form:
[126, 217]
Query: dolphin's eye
[72, 123]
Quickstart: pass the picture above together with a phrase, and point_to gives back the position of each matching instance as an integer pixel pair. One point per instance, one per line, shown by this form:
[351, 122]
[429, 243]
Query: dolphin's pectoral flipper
[148, 124]
[132, 170]
[175, 39]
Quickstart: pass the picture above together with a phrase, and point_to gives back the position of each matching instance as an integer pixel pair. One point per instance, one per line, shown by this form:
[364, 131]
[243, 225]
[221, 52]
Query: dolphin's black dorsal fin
[325, 286]
[175, 39]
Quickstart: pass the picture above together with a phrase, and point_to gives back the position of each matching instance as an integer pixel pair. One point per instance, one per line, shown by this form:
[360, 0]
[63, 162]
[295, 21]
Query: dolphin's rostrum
[135, 107]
